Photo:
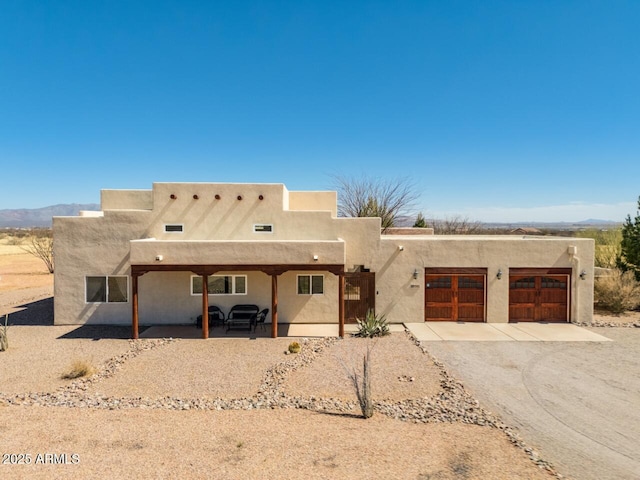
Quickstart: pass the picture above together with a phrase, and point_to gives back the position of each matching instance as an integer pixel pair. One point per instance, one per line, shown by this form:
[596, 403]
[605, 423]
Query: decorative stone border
[608, 324]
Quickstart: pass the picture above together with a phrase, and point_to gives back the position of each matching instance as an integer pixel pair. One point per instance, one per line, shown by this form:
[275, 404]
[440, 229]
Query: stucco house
[163, 256]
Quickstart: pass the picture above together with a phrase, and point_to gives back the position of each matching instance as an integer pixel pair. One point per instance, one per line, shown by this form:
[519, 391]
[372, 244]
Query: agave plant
[372, 325]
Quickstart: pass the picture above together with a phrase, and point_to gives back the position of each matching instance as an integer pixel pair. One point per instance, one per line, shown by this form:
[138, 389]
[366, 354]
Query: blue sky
[502, 111]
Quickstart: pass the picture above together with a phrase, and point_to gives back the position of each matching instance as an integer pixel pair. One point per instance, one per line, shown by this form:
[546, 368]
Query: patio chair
[260, 319]
[241, 316]
[216, 317]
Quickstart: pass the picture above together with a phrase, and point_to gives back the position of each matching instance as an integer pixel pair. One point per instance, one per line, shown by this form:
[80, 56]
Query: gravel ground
[38, 356]
[32, 306]
[400, 371]
[253, 445]
[226, 368]
[237, 408]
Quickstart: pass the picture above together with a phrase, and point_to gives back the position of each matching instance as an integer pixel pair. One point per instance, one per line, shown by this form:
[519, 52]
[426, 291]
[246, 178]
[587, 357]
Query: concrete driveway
[576, 403]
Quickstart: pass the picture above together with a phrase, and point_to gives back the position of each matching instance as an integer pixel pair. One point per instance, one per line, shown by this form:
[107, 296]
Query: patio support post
[205, 306]
[274, 305]
[134, 306]
[341, 305]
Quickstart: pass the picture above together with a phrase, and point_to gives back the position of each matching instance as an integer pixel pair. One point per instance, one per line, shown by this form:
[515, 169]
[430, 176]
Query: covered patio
[204, 271]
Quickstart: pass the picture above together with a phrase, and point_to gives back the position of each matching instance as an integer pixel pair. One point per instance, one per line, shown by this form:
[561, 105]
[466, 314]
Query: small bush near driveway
[617, 292]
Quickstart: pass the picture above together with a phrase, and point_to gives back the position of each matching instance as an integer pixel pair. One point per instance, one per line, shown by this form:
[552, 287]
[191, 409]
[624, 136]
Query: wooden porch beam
[274, 306]
[205, 306]
[341, 305]
[211, 269]
[134, 306]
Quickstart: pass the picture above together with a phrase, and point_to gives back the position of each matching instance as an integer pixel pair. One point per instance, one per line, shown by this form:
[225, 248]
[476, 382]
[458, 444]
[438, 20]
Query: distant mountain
[595, 221]
[41, 217]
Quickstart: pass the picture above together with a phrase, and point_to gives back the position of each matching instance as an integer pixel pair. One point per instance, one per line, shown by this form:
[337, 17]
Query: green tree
[420, 222]
[629, 259]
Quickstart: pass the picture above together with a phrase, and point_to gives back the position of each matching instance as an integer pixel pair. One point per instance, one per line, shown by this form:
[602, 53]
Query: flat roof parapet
[407, 231]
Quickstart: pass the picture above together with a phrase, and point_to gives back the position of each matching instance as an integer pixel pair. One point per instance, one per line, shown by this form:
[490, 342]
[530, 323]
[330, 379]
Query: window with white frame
[220, 285]
[310, 284]
[107, 289]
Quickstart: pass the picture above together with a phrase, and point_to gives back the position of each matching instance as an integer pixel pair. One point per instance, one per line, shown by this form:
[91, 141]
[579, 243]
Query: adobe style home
[163, 256]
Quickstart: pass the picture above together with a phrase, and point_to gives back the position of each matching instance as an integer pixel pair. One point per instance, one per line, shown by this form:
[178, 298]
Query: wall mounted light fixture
[415, 274]
[315, 258]
[583, 274]
[499, 274]
[400, 247]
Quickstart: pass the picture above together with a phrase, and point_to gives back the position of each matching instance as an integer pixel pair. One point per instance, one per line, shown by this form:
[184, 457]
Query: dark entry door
[454, 297]
[541, 297]
[359, 295]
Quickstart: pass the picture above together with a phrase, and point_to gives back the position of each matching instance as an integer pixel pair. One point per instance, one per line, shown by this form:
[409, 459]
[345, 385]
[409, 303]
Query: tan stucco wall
[126, 200]
[249, 252]
[294, 308]
[401, 297]
[220, 231]
[86, 246]
[314, 201]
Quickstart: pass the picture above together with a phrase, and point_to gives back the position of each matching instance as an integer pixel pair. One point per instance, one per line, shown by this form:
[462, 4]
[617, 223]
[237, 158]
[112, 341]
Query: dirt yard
[228, 408]
[20, 270]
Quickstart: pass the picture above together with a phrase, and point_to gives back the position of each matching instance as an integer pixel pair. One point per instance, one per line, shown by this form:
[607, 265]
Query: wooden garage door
[537, 296]
[455, 296]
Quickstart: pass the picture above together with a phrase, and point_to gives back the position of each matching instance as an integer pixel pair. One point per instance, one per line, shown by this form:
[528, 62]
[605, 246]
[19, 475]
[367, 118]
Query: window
[220, 285]
[263, 228]
[529, 282]
[174, 228]
[310, 284]
[107, 289]
[439, 282]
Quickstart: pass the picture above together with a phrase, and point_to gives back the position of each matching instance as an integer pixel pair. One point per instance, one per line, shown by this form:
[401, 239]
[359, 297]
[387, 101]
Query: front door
[359, 295]
[456, 296]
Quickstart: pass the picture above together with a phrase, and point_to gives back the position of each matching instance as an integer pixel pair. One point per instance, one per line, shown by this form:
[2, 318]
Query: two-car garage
[460, 294]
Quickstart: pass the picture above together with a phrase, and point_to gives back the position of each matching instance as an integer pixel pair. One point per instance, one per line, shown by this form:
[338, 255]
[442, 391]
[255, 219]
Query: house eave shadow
[35, 313]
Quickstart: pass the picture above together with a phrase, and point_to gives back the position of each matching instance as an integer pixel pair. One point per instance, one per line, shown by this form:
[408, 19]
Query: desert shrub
[372, 325]
[607, 245]
[362, 385]
[294, 347]
[617, 292]
[15, 241]
[41, 247]
[4, 339]
[78, 369]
